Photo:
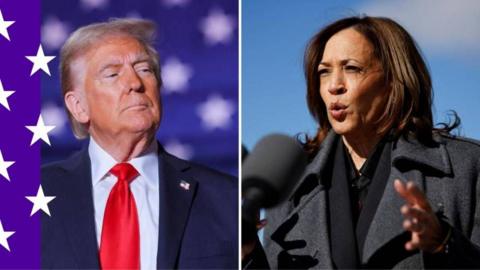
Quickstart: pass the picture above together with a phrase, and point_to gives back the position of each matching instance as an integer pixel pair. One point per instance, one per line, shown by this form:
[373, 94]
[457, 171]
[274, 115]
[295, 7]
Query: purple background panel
[15, 138]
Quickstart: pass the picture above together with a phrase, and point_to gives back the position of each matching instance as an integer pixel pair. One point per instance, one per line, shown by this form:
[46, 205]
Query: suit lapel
[177, 191]
[78, 211]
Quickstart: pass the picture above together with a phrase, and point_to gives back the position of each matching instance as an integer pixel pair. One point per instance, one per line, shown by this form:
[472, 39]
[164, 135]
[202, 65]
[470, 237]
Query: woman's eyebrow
[342, 62]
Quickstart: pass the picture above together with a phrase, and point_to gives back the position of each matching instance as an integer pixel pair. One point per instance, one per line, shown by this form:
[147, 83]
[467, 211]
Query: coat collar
[409, 160]
[309, 200]
[434, 156]
[317, 165]
[411, 151]
[405, 149]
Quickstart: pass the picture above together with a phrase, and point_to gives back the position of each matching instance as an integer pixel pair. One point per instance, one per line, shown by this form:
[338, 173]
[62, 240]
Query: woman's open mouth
[337, 111]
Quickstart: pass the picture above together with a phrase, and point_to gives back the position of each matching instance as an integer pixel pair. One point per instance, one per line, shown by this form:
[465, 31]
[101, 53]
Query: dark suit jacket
[197, 227]
[296, 235]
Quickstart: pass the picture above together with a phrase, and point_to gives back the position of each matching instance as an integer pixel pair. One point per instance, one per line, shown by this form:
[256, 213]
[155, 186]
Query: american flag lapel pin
[185, 185]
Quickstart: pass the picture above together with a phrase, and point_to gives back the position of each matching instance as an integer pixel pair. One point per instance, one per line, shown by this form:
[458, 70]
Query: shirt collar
[370, 165]
[146, 164]
[101, 161]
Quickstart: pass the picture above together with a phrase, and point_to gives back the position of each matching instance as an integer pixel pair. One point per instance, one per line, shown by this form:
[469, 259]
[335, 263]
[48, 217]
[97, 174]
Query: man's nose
[133, 81]
[336, 84]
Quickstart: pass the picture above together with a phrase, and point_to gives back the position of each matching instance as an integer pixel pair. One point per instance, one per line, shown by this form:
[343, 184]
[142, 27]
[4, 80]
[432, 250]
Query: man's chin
[140, 125]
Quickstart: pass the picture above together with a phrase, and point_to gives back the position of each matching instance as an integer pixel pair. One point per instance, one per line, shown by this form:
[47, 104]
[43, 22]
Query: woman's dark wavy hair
[408, 108]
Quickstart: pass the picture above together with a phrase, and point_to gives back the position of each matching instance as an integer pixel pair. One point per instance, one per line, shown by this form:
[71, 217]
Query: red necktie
[120, 244]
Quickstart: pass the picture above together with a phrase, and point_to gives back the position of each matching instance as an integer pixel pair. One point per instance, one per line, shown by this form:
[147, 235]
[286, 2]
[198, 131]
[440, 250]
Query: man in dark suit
[124, 202]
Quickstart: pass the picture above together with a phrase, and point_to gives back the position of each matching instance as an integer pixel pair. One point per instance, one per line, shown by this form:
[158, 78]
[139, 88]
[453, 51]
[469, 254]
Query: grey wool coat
[296, 235]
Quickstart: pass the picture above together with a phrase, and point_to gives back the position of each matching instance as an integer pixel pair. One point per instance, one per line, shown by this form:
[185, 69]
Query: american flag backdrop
[198, 45]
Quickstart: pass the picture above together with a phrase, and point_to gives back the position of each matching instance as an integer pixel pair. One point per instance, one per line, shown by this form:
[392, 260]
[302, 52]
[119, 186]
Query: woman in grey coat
[384, 188]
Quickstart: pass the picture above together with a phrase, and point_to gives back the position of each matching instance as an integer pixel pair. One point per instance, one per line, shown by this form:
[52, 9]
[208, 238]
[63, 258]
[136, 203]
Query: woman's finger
[413, 212]
[401, 189]
[411, 245]
[404, 192]
[414, 226]
[419, 196]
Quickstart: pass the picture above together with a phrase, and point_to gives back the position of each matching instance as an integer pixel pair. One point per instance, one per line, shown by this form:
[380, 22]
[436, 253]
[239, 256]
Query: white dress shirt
[144, 189]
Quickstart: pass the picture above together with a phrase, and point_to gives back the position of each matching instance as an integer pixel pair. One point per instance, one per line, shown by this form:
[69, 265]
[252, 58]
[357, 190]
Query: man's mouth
[139, 107]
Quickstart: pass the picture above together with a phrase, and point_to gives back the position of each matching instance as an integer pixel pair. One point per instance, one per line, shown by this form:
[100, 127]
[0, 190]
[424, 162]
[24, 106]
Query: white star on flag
[4, 25]
[4, 94]
[4, 235]
[4, 166]
[216, 112]
[40, 61]
[217, 27]
[175, 75]
[40, 131]
[40, 202]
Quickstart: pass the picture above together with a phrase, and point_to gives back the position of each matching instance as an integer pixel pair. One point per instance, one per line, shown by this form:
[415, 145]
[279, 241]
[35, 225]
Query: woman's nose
[336, 85]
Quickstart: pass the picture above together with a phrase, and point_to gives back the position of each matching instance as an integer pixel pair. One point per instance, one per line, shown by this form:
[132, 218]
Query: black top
[360, 181]
[353, 199]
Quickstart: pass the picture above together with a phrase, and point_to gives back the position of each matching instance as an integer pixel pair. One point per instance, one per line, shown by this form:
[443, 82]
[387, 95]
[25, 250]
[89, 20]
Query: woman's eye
[323, 71]
[352, 68]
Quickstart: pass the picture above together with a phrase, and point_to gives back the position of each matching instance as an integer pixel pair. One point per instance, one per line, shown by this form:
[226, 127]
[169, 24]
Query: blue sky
[275, 33]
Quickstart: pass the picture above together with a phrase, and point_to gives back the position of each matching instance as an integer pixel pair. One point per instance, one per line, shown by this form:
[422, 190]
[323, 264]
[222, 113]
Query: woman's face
[352, 84]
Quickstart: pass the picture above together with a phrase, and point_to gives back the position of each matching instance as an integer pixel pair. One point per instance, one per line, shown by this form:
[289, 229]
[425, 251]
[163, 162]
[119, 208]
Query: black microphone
[269, 174]
[244, 152]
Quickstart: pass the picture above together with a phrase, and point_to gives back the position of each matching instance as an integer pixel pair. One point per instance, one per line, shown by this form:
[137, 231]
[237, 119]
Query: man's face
[120, 90]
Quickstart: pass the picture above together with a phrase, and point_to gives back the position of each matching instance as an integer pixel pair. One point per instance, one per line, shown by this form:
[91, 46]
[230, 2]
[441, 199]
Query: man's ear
[77, 106]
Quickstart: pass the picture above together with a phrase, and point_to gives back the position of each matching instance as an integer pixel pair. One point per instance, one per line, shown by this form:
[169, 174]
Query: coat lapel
[309, 202]
[177, 191]
[387, 221]
[79, 222]
[408, 157]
